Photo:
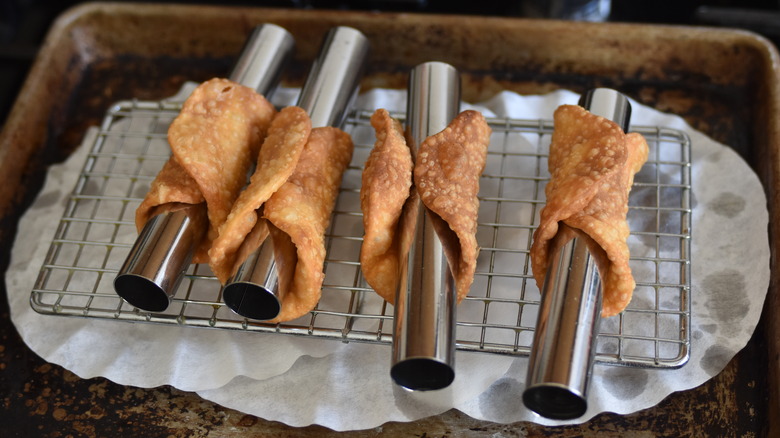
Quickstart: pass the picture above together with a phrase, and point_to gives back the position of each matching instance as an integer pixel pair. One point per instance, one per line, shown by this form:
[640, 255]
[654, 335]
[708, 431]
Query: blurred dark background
[23, 23]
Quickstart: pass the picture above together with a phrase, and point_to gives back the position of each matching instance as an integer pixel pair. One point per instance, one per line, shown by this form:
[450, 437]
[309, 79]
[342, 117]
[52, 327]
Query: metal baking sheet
[723, 82]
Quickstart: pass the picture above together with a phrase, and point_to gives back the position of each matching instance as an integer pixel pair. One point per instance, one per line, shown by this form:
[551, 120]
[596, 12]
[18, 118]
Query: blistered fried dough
[172, 186]
[214, 139]
[446, 174]
[277, 160]
[592, 165]
[172, 190]
[386, 181]
[301, 209]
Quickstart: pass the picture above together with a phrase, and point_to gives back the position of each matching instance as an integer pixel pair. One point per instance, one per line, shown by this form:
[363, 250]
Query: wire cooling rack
[97, 231]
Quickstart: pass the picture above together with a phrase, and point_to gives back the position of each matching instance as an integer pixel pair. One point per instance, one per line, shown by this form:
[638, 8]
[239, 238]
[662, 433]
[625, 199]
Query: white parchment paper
[301, 381]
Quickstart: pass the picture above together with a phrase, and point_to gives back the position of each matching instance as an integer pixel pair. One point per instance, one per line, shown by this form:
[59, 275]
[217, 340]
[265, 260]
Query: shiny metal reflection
[153, 270]
[564, 343]
[254, 291]
[608, 103]
[334, 78]
[563, 349]
[424, 319]
[330, 88]
[263, 59]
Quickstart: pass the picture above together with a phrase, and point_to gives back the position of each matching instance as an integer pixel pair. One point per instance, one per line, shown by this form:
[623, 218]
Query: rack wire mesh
[97, 230]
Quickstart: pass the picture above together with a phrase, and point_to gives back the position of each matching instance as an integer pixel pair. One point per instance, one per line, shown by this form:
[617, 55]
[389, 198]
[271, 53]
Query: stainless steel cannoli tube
[563, 350]
[424, 319]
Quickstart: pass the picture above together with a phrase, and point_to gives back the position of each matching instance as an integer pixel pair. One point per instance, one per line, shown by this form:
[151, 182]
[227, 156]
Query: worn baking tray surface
[723, 82]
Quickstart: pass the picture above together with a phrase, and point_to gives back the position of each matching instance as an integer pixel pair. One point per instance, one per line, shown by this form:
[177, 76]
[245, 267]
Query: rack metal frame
[97, 230]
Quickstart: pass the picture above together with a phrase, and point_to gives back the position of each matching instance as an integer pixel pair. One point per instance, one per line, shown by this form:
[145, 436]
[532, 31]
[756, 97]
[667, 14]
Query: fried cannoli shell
[446, 175]
[301, 209]
[171, 189]
[214, 140]
[592, 165]
[278, 157]
[385, 188]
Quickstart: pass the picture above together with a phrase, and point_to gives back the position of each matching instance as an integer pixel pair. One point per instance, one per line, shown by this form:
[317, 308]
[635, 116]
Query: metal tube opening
[422, 374]
[557, 402]
[142, 292]
[253, 292]
[252, 300]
